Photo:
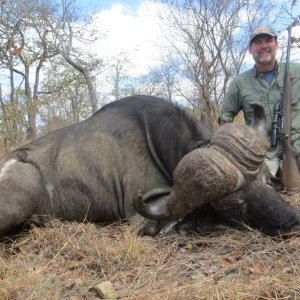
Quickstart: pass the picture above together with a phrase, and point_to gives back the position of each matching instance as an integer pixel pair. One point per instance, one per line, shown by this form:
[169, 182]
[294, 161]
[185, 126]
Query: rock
[106, 290]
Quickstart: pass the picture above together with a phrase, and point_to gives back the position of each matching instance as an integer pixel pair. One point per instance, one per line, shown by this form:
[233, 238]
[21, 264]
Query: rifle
[290, 169]
[276, 124]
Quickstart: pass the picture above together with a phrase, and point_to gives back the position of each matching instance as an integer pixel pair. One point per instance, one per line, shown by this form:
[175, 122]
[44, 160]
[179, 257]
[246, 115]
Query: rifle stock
[290, 169]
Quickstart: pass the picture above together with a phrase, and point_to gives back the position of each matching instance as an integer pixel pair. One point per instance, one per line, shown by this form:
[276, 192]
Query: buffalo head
[233, 158]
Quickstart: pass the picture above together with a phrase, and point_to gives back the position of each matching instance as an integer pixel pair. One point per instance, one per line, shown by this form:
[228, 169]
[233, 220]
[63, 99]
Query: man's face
[263, 49]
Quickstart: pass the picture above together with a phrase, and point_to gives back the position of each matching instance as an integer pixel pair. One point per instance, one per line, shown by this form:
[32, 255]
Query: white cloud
[137, 33]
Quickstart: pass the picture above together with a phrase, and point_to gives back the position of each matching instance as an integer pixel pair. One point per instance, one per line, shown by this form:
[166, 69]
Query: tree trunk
[31, 107]
[4, 128]
[88, 80]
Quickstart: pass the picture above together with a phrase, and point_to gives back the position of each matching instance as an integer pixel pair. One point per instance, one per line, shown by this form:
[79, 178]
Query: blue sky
[91, 6]
[131, 30]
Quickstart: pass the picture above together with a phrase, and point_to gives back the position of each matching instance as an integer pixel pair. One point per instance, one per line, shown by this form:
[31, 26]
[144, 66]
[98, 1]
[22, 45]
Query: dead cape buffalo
[144, 156]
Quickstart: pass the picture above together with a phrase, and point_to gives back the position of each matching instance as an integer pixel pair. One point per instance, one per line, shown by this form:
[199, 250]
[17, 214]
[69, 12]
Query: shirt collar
[256, 73]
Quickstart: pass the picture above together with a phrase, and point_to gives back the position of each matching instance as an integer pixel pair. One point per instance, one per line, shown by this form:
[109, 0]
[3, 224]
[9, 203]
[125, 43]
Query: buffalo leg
[20, 190]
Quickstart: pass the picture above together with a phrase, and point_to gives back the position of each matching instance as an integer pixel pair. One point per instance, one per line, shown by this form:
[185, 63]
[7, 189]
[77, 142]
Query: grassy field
[68, 260]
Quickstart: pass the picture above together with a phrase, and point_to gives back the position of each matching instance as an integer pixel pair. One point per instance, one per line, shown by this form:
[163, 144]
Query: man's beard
[265, 58]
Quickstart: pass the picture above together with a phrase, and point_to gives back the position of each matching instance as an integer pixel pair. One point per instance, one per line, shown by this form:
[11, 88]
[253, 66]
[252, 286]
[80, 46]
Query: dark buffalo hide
[93, 170]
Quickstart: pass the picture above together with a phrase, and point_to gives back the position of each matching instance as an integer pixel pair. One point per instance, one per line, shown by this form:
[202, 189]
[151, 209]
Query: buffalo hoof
[148, 227]
[294, 231]
[152, 228]
[200, 221]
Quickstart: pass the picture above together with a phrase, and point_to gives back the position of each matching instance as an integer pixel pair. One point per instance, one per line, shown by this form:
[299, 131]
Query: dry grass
[66, 260]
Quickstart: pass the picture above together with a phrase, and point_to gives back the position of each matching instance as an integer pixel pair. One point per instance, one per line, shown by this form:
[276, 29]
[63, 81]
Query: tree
[63, 96]
[119, 66]
[24, 50]
[66, 34]
[33, 33]
[209, 43]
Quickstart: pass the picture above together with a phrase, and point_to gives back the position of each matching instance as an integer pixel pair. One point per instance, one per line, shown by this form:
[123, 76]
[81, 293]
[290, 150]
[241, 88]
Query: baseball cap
[262, 30]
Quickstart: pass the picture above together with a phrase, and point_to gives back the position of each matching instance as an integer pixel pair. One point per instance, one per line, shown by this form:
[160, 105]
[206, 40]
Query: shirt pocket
[251, 95]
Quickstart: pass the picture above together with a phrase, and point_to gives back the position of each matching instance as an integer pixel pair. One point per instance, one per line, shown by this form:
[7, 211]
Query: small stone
[106, 290]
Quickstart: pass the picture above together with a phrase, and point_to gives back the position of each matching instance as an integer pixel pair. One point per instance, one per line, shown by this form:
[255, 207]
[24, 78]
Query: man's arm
[230, 105]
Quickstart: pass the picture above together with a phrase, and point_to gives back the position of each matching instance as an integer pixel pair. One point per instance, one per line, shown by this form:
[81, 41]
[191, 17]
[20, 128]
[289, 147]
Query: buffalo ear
[275, 182]
[267, 178]
[259, 121]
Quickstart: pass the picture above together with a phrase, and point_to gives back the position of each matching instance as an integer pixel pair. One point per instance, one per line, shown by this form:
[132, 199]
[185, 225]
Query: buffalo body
[95, 169]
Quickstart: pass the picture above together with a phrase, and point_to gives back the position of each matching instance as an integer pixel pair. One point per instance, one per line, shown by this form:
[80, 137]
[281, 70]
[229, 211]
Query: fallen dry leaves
[67, 260]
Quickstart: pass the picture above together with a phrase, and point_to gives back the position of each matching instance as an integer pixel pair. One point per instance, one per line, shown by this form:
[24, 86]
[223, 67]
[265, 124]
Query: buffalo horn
[245, 146]
[153, 204]
[200, 177]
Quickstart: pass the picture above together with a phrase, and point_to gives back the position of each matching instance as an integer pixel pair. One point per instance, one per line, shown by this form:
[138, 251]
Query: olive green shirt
[251, 86]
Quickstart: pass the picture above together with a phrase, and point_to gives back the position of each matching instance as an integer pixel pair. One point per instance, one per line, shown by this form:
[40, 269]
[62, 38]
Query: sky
[132, 28]
[91, 6]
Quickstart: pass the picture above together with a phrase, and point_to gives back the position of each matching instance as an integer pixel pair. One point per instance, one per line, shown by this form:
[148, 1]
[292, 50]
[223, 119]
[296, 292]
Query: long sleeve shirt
[252, 86]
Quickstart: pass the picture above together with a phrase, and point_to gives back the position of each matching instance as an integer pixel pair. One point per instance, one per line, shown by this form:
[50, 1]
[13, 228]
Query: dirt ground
[65, 260]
